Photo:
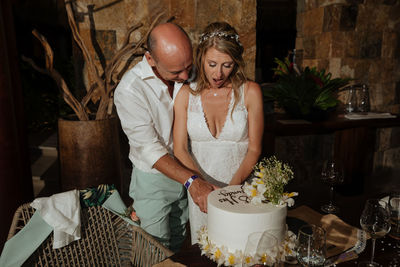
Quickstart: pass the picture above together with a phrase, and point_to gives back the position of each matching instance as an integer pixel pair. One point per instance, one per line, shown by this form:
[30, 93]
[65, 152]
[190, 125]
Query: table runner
[340, 235]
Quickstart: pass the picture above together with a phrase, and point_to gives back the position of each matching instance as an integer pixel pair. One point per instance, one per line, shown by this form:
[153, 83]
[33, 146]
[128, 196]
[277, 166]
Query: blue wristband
[189, 181]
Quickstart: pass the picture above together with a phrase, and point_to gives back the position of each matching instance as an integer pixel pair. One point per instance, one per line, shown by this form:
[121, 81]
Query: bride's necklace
[218, 92]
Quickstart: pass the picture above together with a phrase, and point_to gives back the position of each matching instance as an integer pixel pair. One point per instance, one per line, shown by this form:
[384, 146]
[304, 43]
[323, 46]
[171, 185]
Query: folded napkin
[340, 236]
[115, 204]
[18, 249]
[368, 115]
[62, 212]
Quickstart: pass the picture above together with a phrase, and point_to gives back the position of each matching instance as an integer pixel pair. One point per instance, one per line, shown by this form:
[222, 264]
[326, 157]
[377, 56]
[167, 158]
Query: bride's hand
[235, 182]
[215, 187]
[199, 191]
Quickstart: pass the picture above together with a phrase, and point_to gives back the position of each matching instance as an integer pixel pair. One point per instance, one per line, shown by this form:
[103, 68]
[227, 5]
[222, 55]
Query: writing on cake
[233, 197]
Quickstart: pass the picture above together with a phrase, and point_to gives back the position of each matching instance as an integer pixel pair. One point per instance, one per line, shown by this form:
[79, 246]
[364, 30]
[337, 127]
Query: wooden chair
[106, 240]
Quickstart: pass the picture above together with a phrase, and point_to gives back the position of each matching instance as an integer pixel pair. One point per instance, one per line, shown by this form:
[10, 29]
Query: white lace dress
[218, 158]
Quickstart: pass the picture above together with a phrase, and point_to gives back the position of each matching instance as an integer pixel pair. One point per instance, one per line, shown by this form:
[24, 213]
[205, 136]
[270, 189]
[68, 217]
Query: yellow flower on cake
[248, 260]
[256, 190]
[287, 199]
[218, 254]
[202, 235]
[233, 259]
[269, 258]
[290, 244]
[204, 243]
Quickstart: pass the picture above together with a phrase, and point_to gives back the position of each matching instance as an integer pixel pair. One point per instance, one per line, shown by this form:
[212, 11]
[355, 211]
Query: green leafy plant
[304, 93]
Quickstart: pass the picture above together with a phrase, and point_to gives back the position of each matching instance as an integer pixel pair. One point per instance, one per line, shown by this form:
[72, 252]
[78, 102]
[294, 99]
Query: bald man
[144, 99]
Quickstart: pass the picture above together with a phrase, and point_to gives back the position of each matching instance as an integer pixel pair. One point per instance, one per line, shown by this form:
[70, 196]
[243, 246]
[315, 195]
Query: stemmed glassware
[332, 174]
[394, 208]
[261, 250]
[375, 220]
[311, 245]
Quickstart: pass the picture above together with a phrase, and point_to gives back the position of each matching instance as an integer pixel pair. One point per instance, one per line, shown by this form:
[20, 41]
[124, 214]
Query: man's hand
[199, 191]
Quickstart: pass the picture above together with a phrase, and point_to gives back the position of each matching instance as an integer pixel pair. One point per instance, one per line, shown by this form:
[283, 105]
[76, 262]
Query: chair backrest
[106, 240]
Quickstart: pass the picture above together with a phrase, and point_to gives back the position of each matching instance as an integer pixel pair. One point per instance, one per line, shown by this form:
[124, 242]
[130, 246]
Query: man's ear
[150, 59]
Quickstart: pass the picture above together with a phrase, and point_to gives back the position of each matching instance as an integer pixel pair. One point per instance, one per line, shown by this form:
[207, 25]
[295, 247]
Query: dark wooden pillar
[15, 174]
[354, 147]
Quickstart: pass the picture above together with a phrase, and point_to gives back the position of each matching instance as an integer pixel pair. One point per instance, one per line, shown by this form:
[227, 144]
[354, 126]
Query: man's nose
[184, 75]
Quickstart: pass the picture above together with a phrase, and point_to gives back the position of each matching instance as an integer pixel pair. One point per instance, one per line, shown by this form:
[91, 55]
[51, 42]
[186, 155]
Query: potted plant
[304, 93]
[88, 141]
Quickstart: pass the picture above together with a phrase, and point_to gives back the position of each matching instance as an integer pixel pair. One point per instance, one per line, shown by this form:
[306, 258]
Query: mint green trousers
[161, 205]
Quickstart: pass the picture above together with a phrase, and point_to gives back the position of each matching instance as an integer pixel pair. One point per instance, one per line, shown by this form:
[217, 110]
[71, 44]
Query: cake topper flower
[270, 178]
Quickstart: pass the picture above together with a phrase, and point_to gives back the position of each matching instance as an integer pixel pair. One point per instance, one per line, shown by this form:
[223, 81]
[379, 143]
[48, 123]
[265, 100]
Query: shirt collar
[147, 73]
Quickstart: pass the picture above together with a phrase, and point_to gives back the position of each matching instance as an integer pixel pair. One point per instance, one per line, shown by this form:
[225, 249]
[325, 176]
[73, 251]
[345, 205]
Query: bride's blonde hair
[224, 38]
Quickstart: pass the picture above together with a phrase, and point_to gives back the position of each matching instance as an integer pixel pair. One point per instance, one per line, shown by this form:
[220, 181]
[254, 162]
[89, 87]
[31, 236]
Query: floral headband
[204, 37]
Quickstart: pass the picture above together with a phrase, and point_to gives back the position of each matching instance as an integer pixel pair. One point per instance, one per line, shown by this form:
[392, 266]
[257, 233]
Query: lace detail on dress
[194, 103]
[218, 158]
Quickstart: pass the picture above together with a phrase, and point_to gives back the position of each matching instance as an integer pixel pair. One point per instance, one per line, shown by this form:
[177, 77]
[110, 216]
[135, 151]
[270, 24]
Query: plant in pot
[304, 93]
[88, 141]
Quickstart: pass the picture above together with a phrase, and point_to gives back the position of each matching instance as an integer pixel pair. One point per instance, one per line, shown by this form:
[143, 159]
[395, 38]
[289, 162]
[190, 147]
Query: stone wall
[354, 38]
[358, 39]
[113, 18]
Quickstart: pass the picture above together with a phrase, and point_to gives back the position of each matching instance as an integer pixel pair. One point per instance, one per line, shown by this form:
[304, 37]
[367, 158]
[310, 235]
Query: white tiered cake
[232, 218]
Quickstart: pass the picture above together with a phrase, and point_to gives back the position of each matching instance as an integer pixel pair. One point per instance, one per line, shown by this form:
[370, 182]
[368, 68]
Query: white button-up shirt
[145, 109]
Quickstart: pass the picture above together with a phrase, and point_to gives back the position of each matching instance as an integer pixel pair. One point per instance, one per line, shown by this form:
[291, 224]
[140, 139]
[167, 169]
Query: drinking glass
[311, 245]
[375, 220]
[261, 250]
[331, 174]
[350, 105]
[364, 104]
[394, 208]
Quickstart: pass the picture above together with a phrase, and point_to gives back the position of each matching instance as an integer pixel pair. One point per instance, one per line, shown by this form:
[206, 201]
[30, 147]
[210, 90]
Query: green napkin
[115, 204]
[18, 249]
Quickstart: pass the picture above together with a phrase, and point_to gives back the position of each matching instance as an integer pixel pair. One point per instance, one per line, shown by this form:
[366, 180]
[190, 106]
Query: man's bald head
[170, 52]
[167, 36]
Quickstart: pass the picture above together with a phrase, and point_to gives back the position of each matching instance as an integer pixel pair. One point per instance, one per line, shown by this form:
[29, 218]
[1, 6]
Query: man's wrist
[189, 181]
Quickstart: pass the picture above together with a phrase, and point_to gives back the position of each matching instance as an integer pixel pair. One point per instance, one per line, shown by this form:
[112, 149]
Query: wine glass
[261, 250]
[394, 208]
[311, 245]
[375, 220]
[332, 174]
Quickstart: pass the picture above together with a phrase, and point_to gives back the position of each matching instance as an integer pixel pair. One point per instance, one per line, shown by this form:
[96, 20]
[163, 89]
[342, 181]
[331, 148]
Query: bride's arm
[254, 105]
[180, 134]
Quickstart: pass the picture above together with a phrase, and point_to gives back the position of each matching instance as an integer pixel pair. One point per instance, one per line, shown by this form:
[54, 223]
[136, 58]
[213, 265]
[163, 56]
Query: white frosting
[232, 218]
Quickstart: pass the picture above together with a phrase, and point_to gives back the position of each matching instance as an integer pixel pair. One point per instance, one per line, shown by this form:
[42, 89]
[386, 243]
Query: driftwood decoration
[105, 82]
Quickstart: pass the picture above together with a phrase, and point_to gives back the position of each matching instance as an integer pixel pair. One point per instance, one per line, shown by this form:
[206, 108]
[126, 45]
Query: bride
[219, 121]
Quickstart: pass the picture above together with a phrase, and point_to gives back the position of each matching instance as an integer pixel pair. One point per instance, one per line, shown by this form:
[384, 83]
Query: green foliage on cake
[268, 185]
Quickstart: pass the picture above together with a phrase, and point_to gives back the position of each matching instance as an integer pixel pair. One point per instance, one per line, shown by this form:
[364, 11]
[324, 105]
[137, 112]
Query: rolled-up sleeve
[137, 121]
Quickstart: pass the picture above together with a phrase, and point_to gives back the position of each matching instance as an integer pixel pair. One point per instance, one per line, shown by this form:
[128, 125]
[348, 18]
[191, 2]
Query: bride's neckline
[228, 109]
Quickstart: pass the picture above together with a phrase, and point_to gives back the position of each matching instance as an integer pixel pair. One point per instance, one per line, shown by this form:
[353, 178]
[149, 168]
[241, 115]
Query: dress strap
[194, 104]
[241, 95]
